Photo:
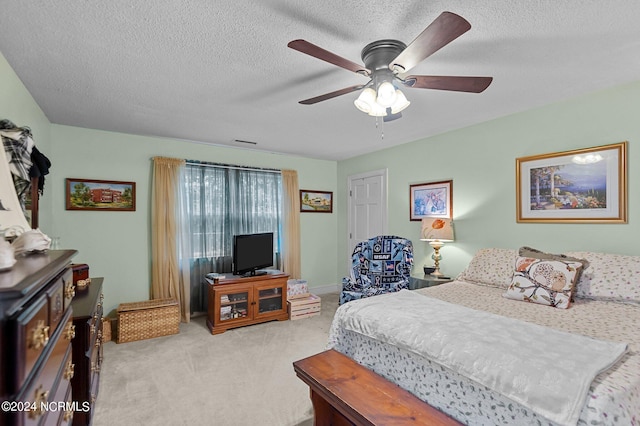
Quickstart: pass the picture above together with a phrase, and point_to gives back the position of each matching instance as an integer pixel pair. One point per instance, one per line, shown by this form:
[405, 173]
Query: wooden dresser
[35, 340]
[87, 349]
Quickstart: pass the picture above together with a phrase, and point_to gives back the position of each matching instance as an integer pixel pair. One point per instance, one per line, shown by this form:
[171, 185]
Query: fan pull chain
[381, 121]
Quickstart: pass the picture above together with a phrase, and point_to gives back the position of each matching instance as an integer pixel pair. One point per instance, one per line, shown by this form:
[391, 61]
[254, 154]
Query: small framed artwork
[316, 201]
[434, 199]
[580, 186]
[100, 195]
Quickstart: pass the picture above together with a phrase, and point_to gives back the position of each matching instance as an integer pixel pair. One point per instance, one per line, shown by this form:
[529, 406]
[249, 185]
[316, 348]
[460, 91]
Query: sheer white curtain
[219, 202]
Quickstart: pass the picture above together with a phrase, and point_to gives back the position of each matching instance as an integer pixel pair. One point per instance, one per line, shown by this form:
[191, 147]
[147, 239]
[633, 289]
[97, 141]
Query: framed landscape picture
[580, 186]
[316, 201]
[434, 199]
[100, 195]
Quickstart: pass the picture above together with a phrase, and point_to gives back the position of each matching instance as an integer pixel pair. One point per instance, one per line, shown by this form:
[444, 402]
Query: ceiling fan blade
[320, 53]
[440, 82]
[446, 28]
[331, 95]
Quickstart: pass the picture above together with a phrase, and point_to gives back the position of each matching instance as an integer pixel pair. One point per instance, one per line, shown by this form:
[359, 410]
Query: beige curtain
[167, 281]
[291, 225]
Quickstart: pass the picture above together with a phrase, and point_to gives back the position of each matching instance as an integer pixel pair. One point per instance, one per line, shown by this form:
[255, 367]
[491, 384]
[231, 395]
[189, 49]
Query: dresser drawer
[68, 286]
[41, 389]
[67, 417]
[32, 337]
[55, 299]
[61, 400]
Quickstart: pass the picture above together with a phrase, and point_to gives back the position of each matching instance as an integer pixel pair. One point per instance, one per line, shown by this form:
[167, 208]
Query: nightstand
[426, 281]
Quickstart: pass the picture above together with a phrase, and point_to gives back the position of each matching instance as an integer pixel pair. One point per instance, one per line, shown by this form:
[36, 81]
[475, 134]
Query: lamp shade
[437, 229]
[386, 94]
[366, 100]
[377, 110]
[401, 102]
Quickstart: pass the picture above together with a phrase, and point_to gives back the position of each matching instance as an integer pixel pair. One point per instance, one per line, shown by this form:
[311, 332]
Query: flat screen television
[252, 252]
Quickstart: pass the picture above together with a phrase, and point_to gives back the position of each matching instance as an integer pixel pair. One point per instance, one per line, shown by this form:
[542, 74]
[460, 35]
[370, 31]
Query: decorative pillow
[491, 267]
[531, 252]
[547, 282]
[611, 277]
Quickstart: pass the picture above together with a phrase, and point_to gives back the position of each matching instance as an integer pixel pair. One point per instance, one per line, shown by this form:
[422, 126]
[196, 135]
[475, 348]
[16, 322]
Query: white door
[367, 207]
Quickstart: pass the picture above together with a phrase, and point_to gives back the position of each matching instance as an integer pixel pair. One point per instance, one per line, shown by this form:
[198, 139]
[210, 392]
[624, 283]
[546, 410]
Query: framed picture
[580, 186]
[433, 199]
[101, 195]
[316, 201]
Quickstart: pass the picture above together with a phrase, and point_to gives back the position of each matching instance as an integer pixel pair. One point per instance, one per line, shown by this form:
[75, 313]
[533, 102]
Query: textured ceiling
[217, 71]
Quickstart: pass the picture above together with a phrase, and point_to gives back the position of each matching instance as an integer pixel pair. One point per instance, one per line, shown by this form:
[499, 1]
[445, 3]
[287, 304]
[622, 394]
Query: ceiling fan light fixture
[366, 100]
[377, 110]
[401, 102]
[386, 94]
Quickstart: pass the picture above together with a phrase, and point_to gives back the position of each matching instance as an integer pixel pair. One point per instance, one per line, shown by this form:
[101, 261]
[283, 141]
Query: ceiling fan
[386, 63]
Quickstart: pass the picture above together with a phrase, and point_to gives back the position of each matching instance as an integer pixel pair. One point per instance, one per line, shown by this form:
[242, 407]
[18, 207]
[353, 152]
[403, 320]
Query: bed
[390, 335]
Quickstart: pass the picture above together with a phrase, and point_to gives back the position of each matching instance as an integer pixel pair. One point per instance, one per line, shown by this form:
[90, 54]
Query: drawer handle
[39, 335]
[69, 290]
[39, 401]
[93, 399]
[70, 332]
[68, 416]
[101, 297]
[83, 283]
[69, 370]
[95, 367]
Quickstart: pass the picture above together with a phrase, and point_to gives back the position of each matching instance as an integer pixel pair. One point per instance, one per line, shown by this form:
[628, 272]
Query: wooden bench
[345, 393]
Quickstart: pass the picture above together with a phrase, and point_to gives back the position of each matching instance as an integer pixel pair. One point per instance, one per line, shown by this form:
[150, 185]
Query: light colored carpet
[241, 377]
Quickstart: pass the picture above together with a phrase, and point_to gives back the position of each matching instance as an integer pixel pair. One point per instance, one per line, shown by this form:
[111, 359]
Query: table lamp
[437, 231]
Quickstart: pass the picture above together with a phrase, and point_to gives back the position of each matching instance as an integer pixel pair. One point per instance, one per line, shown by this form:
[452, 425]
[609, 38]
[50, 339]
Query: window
[219, 202]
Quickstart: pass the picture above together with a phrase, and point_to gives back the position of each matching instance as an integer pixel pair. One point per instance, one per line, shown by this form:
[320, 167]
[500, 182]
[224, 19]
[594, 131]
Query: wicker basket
[145, 320]
[106, 329]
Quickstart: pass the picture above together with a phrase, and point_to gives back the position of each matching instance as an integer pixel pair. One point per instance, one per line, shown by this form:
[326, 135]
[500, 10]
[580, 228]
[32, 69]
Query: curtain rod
[230, 166]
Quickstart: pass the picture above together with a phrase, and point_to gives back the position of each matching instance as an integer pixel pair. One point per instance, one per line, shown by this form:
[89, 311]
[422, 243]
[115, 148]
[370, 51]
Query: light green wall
[17, 105]
[481, 162]
[117, 245]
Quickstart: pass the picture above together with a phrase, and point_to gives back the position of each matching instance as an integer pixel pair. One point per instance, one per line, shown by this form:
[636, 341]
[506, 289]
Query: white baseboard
[331, 288]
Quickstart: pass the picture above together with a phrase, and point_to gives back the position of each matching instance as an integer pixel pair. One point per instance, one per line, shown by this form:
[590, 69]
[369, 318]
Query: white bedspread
[546, 370]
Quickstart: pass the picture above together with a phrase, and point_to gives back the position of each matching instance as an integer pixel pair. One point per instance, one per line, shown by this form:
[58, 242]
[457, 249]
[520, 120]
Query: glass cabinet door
[270, 300]
[234, 305]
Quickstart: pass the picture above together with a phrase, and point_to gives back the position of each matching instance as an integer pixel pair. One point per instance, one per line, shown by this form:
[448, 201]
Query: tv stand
[236, 301]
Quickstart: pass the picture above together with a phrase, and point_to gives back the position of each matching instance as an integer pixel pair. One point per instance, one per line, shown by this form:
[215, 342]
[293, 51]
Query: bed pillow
[538, 254]
[491, 267]
[610, 277]
[544, 281]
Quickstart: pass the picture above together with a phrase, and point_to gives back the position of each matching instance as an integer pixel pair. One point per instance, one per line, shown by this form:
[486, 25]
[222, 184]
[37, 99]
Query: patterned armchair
[379, 265]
